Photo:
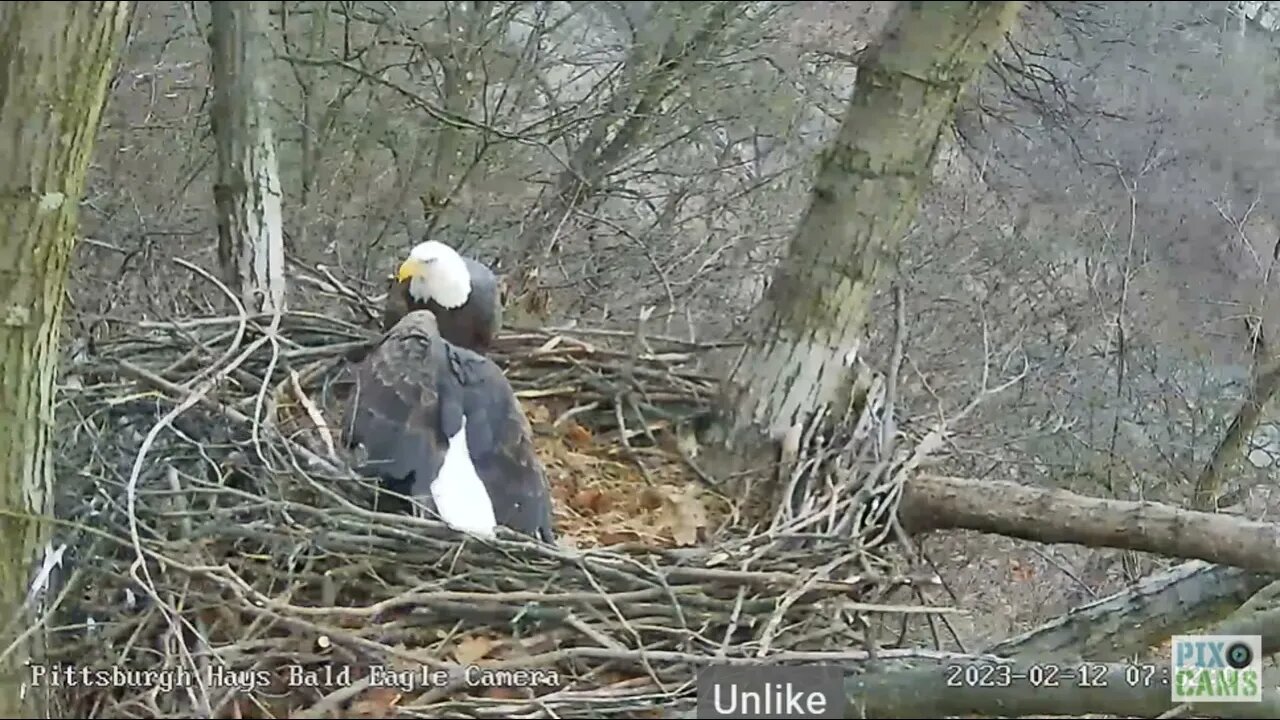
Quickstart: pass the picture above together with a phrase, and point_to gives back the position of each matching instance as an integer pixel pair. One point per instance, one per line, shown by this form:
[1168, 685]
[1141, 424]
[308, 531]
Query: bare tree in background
[462, 80]
[650, 75]
[866, 192]
[247, 191]
[56, 59]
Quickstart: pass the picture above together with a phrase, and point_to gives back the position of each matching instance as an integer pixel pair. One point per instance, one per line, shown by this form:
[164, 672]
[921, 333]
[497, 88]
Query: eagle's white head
[437, 272]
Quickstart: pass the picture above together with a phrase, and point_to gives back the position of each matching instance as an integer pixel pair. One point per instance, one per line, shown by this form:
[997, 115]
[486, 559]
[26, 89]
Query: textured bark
[247, 191]
[56, 59]
[866, 192]
[1191, 595]
[1260, 615]
[932, 502]
[1230, 450]
[1188, 598]
[1114, 688]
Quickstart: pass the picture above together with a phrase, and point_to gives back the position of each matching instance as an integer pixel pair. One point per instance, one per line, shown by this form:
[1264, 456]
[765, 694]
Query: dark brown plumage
[411, 393]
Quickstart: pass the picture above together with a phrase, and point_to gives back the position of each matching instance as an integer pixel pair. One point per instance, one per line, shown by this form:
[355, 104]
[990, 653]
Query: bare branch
[1190, 595]
[933, 502]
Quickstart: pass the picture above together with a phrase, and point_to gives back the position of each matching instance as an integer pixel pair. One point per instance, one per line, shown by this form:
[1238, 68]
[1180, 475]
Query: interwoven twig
[210, 525]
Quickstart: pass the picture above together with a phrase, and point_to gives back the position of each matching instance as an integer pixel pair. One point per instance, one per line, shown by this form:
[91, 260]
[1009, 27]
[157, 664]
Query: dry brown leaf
[577, 436]
[537, 413]
[562, 491]
[1021, 572]
[652, 498]
[577, 462]
[472, 648]
[583, 499]
[615, 677]
[686, 515]
[591, 501]
[376, 702]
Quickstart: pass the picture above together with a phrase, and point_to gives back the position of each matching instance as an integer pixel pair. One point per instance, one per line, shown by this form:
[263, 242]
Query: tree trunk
[247, 192]
[1185, 598]
[1114, 686]
[56, 59]
[936, 502]
[1262, 388]
[462, 78]
[866, 192]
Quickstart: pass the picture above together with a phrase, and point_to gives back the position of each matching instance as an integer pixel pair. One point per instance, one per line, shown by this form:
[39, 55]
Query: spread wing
[501, 444]
[393, 408]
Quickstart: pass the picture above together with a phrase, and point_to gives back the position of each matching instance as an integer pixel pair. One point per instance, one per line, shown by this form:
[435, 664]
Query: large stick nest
[214, 543]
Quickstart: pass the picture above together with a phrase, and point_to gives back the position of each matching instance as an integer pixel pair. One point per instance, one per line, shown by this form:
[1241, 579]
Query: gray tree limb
[1106, 688]
[935, 502]
[1193, 594]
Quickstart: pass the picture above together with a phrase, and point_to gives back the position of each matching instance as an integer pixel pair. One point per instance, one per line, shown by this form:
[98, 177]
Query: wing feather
[501, 443]
[411, 392]
[392, 412]
[451, 399]
[487, 303]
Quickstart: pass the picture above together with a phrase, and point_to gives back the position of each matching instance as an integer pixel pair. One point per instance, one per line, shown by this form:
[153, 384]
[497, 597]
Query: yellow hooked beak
[408, 269]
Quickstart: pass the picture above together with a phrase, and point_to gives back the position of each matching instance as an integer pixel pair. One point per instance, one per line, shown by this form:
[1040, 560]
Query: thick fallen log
[1261, 614]
[1063, 684]
[1191, 595]
[936, 502]
[1188, 596]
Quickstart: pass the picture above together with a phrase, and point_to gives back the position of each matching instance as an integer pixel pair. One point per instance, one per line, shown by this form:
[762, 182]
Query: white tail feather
[460, 496]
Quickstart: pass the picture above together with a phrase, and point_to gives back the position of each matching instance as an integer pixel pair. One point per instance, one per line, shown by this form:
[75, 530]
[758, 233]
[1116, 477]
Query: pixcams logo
[1216, 668]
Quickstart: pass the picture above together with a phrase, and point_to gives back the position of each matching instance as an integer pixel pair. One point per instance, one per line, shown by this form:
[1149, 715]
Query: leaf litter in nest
[472, 648]
[602, 498]
[375, 702]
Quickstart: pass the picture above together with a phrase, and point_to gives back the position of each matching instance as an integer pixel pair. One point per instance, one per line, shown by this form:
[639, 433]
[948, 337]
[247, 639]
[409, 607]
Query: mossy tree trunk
[247, 191]
[866, 192]
[56, 59]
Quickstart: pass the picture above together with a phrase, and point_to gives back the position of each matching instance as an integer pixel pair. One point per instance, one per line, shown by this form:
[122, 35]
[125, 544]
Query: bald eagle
[442, 424]
[462, 292]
